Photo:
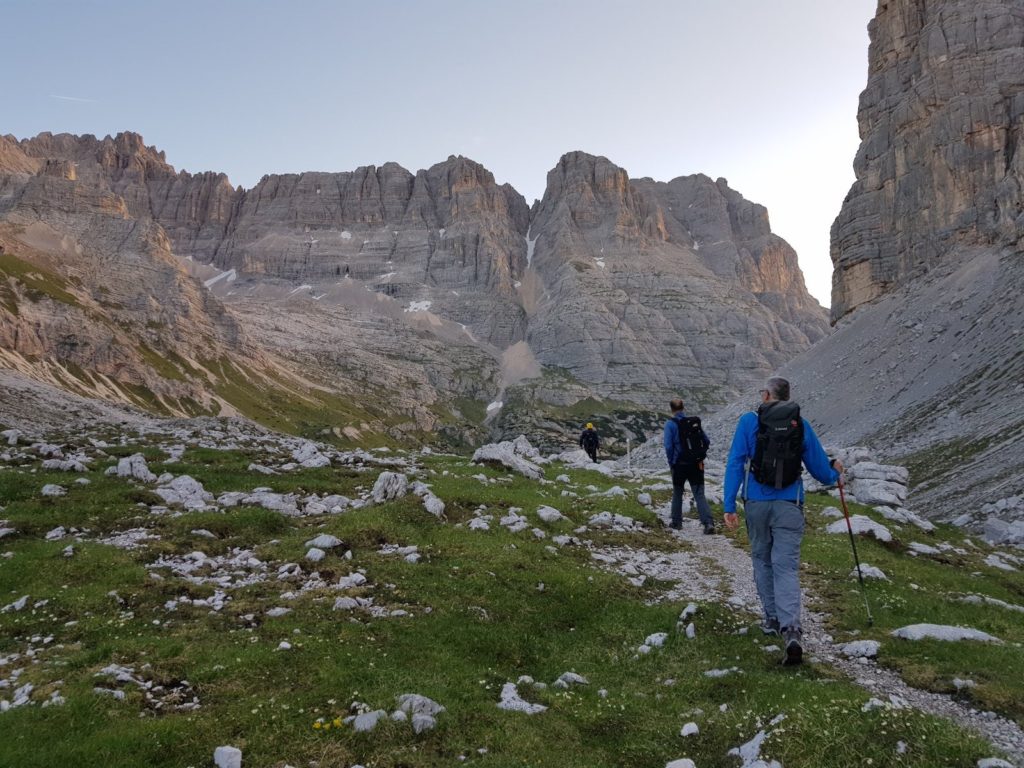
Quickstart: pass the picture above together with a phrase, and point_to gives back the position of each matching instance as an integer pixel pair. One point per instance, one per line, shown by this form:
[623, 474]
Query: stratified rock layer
[926, 364]
[646, 288]
[940, 166]
[434, 286]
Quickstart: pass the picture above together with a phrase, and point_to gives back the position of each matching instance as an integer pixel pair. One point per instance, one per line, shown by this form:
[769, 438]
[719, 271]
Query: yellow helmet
[589, 425]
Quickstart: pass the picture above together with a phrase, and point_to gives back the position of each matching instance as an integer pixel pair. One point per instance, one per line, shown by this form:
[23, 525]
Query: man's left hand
[732, 521]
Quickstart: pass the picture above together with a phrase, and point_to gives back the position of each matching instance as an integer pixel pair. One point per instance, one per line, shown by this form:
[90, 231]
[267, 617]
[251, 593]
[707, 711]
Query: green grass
[924, 589]
[487, 624]
[38, 283]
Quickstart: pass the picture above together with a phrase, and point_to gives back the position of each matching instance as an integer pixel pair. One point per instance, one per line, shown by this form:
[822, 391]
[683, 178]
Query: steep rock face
[940, 164]
[94, 299]
[628, 289]
[927, 360]
[645, 289]
[448, 235]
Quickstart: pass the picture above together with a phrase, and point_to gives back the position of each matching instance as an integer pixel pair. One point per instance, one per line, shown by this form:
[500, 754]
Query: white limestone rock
[135, 466]
[71, 464]
[861, 525]
[367, 721]
[943, 632]
[869, 572]
[433, 505]
[227, 757]
[861, 649]
[324, 541]
[309, 456]
[879, 492]
[506, 454]
[421, 710]
[390, 485]
[549, 514]
[51, 489]
[17, 605]
[185, 491]
[512, 702]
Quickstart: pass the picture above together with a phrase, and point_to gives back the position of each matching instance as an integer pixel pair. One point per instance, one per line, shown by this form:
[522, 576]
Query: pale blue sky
[762, 93]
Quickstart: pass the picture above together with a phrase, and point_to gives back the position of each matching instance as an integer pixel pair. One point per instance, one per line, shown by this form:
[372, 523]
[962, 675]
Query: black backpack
[778, 457]
[693, 445]
[590, 439]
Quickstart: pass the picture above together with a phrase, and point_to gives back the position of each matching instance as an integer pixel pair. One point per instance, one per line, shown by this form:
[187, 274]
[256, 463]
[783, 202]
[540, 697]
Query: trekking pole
[856, 560]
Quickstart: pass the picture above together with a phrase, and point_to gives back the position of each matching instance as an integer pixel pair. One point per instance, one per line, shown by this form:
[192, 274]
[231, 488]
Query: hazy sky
[762, 93]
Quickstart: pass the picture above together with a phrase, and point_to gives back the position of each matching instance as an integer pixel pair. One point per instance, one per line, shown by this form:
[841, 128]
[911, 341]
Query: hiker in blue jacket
[686, 445]
[768, 451]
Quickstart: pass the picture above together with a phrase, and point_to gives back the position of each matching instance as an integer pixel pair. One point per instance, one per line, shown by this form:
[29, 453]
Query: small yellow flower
[317, 725]
[337, 722]
[327, 726]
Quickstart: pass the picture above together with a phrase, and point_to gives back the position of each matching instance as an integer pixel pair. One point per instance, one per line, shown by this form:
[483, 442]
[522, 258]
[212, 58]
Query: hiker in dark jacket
[773, 505]
[590, 441]
[686, 444]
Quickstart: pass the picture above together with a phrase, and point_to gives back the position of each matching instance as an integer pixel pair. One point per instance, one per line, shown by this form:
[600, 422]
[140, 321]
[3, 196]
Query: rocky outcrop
[643, 288]
[940, 167]
[926, 363]
[432, 286]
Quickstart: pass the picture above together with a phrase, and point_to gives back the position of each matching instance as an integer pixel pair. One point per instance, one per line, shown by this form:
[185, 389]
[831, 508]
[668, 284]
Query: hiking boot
[709, 529]
[794, 650]
[676, 526]
[770, 626]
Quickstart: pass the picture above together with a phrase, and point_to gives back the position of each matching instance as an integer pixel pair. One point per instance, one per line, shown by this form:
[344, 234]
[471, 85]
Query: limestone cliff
[432, 287]
[649, 288]
[927, 360]
[940, 165]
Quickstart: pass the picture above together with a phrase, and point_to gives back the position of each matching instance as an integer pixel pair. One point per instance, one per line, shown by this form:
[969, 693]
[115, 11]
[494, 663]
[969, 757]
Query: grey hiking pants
[775, 529]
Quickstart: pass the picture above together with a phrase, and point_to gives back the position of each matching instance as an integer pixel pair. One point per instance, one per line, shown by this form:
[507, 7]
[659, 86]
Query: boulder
[368, 720]
[390, 485]
[185, 491]
[135, 466]
[867, 649]
[996, 531]
[549, 514]
[880, 492]
[861, 525]
[433, 505]
[227, 757]
[943, 632]
[504, 454]
[325, 541]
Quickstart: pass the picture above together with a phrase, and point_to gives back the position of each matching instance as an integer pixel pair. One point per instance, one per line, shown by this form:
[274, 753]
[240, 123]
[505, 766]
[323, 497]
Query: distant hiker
[768, 451]
[590, 441]
[686, 445]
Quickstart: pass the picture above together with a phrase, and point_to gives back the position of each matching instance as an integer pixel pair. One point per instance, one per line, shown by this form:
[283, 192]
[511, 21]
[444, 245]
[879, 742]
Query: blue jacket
[671, 439]
[737, 473]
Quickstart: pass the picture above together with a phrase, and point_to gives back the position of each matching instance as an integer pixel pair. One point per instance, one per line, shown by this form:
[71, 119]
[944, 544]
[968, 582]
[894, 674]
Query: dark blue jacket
[671, 439]
[737, 473]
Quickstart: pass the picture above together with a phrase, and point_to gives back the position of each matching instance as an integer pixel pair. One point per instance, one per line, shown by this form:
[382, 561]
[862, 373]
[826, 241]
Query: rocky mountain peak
[13, 159]
[589, 192]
